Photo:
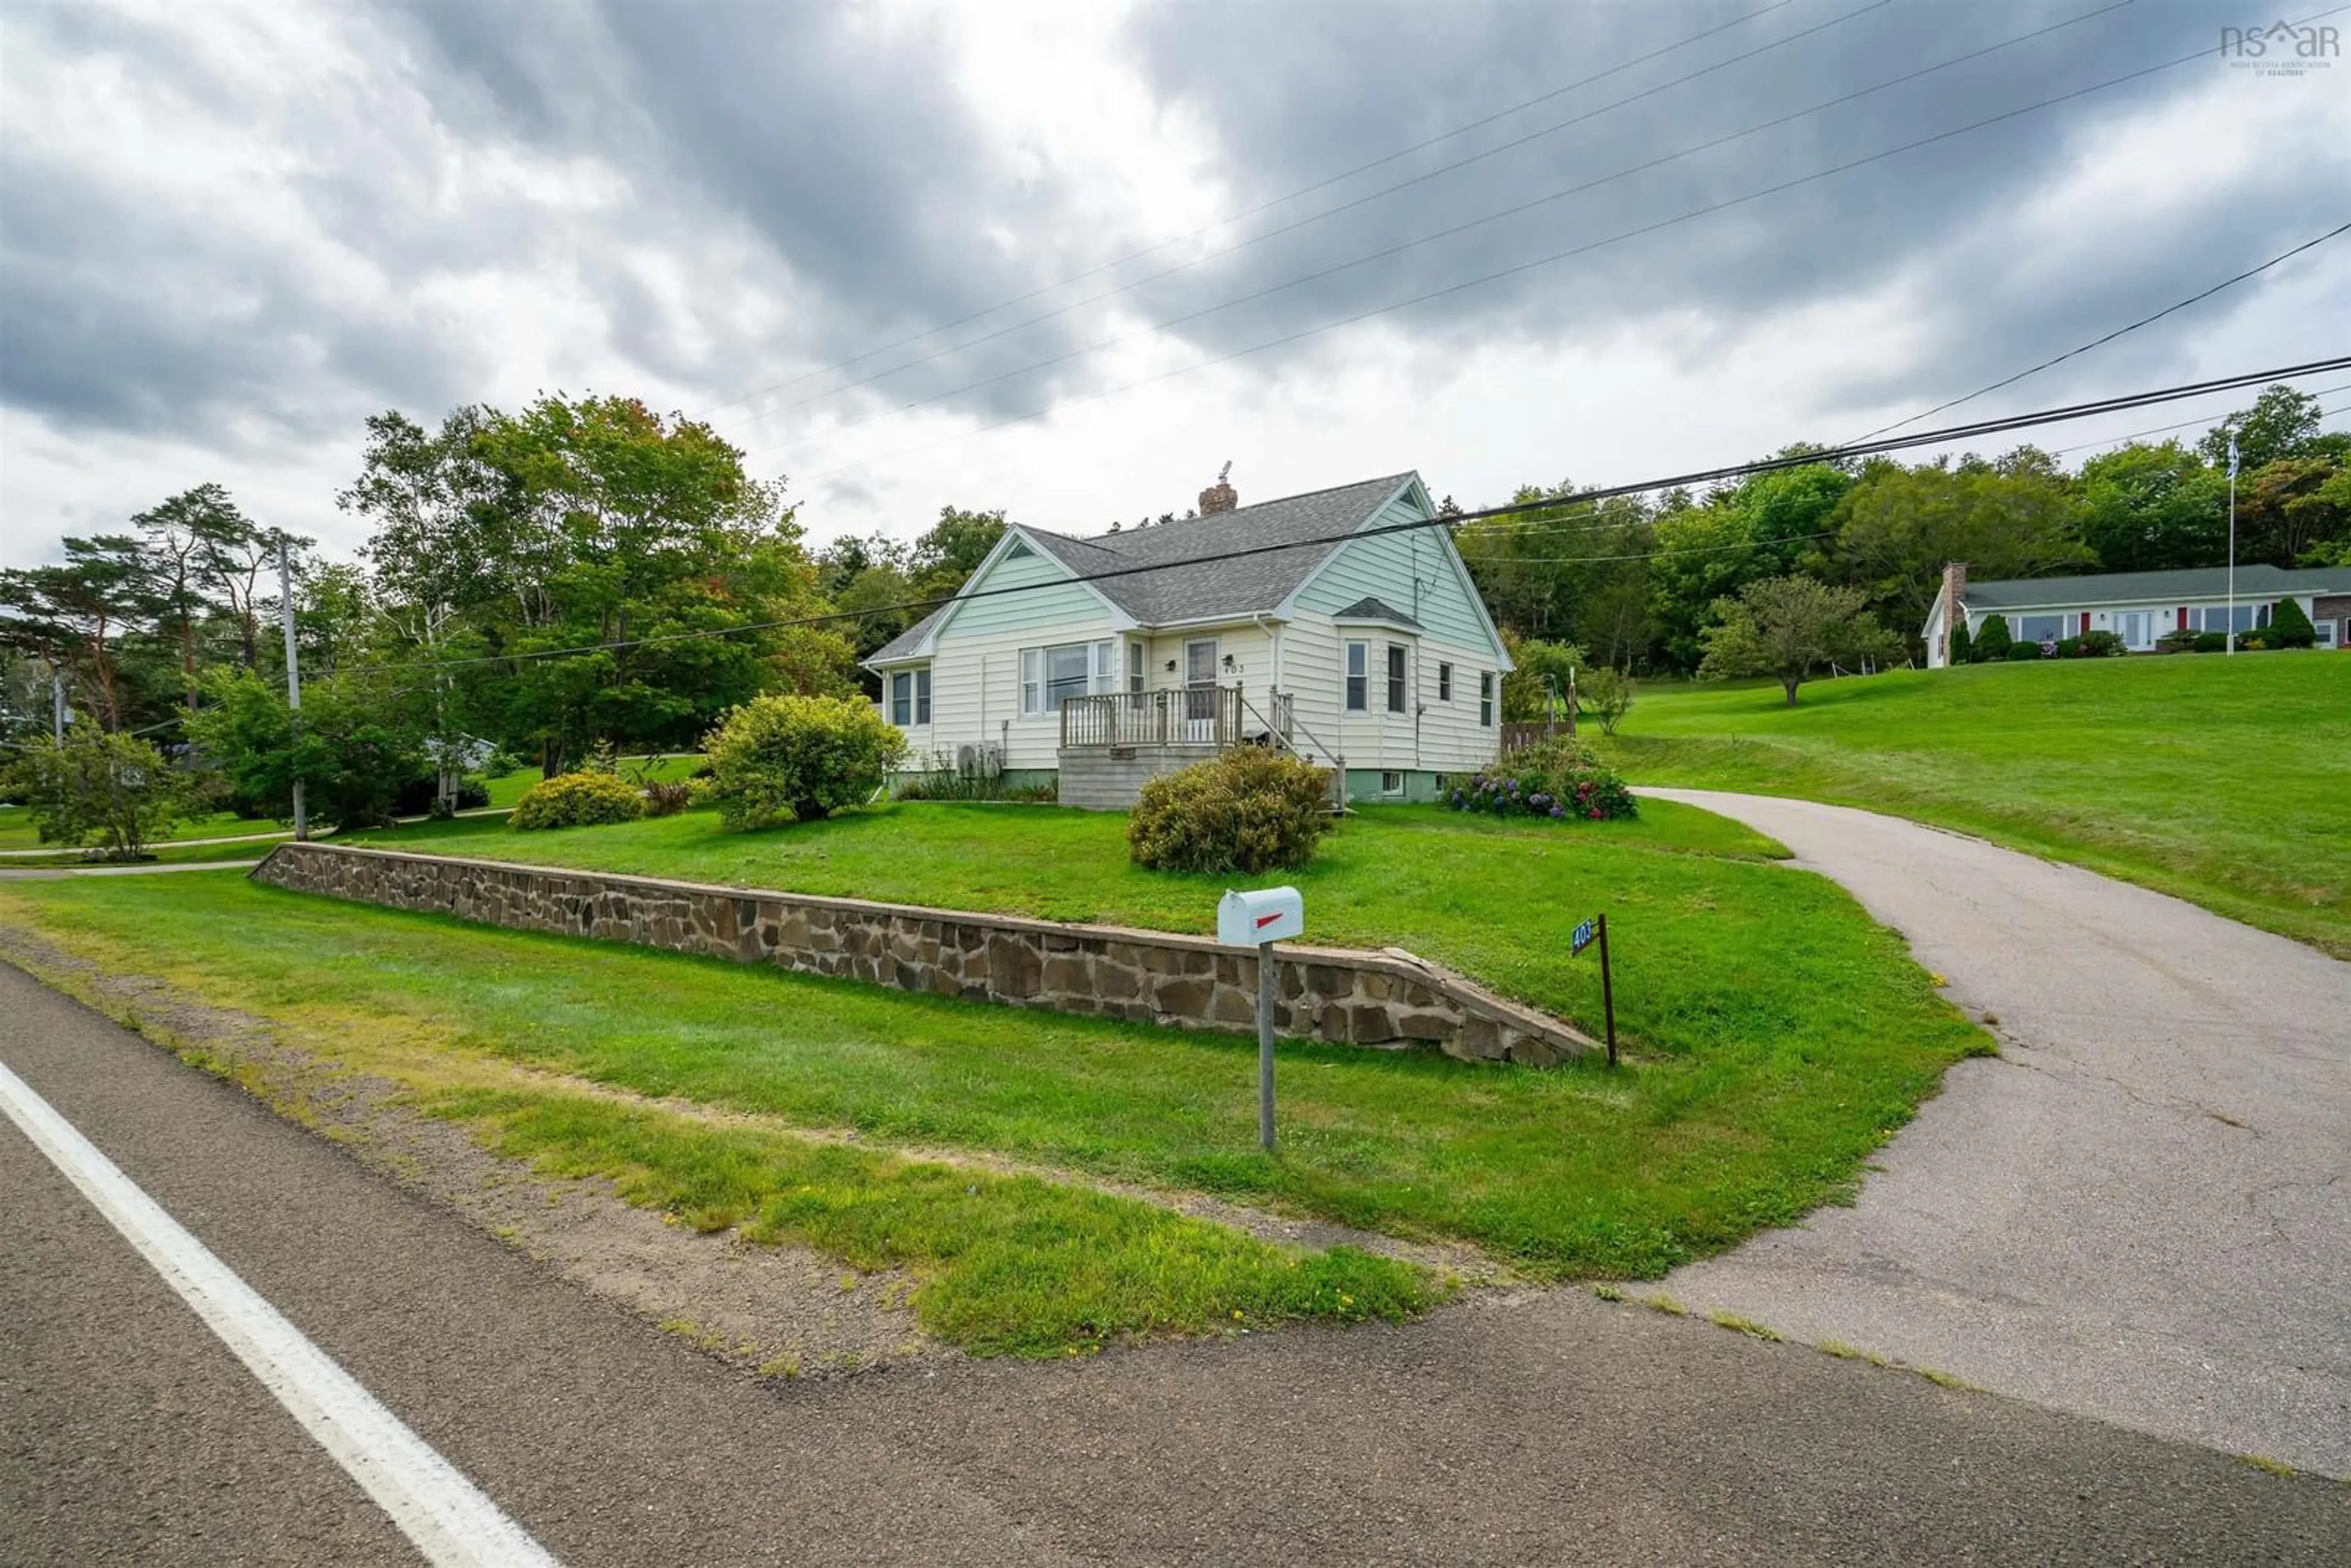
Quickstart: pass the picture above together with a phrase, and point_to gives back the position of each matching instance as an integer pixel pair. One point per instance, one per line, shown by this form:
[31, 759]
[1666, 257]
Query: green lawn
[16, 831]
[1775, 1037]
[2225, 781]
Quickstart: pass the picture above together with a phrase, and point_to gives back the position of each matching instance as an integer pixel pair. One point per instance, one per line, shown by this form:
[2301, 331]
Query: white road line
[445, 1515]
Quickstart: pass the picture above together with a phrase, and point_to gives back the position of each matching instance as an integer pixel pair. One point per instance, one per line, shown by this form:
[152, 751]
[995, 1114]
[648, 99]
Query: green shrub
[1557, 778]
[1993, 640]
[2101, 645]
[1605, 693]
[1249, 810]
[575, 800]
[2290, 628]
[2211, 642]
[1962, 651]
[2017, 653]
[115, 789]
[2179, 640]
[667, 799]
[801, 758]
[2069, 647]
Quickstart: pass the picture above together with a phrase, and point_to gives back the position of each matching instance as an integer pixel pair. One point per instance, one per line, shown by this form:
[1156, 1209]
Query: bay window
[1396, 677]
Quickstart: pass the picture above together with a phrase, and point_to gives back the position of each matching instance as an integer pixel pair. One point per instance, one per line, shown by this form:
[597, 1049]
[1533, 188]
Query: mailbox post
[1258, 920]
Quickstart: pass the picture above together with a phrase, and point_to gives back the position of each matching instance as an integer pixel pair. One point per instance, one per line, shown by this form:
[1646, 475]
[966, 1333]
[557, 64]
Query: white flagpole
[2232, 544]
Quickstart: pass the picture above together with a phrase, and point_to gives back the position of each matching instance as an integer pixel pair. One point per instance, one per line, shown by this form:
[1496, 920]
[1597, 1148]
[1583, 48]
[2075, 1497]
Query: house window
[1050, 676]
[2215, 617]
[1445, 682]
[1396, 677]
[1486, 698]
[2040, 628]
[1135, 657]
[1391, 783]
[1359, 664]
[910, 697]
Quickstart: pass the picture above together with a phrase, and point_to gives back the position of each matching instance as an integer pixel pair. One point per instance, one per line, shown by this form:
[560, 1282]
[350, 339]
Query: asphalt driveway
[2140, 1211]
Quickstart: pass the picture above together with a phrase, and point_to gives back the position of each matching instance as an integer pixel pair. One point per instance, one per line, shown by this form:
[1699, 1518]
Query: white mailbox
[1269, 915]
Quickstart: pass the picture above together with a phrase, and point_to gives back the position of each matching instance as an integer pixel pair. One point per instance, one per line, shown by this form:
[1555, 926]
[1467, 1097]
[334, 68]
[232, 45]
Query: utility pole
[2232, 544]
[293, 675]
[58, 703]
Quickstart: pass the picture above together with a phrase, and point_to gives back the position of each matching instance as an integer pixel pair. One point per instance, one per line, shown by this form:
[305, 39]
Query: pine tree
[2290, 628]
[1992, 639]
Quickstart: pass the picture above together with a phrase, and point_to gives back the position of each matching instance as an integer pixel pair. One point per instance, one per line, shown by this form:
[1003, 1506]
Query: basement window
[1391, 783]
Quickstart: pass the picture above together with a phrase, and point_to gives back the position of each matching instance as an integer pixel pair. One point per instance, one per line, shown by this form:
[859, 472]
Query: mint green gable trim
[1385, 566]
[1045, 606]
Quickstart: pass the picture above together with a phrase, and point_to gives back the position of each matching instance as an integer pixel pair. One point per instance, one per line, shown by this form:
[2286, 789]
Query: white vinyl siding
[1413, 572]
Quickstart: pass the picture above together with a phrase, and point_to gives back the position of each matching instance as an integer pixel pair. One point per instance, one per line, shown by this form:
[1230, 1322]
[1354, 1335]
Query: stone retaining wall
[1388, 999]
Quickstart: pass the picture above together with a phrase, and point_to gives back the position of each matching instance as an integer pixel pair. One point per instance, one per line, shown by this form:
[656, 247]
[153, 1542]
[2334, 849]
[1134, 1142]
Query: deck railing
[1189, 715]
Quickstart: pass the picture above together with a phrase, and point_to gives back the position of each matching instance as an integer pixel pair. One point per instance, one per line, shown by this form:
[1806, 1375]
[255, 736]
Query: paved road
[2141, 1211]
[1552, 1427]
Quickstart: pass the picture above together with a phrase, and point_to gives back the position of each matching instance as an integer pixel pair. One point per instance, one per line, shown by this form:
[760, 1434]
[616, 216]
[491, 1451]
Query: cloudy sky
[1068, 260]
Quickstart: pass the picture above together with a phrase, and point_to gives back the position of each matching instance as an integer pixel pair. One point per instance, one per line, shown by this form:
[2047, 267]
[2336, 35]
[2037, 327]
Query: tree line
[1639, 585]
[585, 573]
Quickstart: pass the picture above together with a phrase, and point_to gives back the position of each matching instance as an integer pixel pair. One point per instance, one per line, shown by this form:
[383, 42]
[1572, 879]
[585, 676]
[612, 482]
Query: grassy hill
[2225, 781]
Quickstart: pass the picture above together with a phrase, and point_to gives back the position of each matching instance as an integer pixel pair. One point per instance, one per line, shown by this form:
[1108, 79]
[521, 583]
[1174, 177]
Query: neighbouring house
[1129, 655]
[2139, 607]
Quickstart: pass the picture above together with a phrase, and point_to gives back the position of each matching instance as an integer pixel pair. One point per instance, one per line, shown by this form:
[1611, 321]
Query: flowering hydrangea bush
[1560, 780]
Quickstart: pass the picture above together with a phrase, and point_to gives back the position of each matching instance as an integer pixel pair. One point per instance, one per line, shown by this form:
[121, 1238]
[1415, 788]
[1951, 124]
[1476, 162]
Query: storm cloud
[227, 234]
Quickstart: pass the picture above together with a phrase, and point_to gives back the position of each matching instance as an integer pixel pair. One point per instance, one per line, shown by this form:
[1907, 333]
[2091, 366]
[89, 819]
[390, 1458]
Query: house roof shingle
[1192, 588]
[2186, 586]
[1373, 609]
[1188, 588]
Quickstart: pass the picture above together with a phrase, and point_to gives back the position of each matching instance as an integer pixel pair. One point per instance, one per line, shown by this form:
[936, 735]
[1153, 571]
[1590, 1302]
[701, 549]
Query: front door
[2134, 626]
[1200, 690]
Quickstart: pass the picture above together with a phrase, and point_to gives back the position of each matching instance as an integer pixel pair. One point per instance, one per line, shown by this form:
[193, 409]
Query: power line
[1383, 193]
[1514, 270]
[2100, 342]
[1230, 218]
[1400, 249]
[1699, 476]
[1647, 555]
[2189, 423]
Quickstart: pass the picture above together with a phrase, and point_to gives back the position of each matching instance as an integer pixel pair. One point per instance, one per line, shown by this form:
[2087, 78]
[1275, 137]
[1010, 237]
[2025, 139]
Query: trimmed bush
[2290, 628]
[2211, 642]
[1962, 650]
[2017, 653]
[1252, 809]
[1993, 640]
[2101, 645]
[575, 800]
[802, 758]
[1558, 779]
[2179, 640]
[2070, 648]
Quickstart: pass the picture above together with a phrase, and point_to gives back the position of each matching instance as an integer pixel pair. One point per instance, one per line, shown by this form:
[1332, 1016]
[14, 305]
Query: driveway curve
[2141, 1210]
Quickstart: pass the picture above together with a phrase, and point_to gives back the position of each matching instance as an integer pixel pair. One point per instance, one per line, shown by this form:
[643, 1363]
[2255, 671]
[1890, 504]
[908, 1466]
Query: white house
[2139, 607]
[1108, 660]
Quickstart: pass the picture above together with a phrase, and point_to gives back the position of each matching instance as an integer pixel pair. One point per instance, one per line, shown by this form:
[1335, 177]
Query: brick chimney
[1219, 496]
[1955, 598]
